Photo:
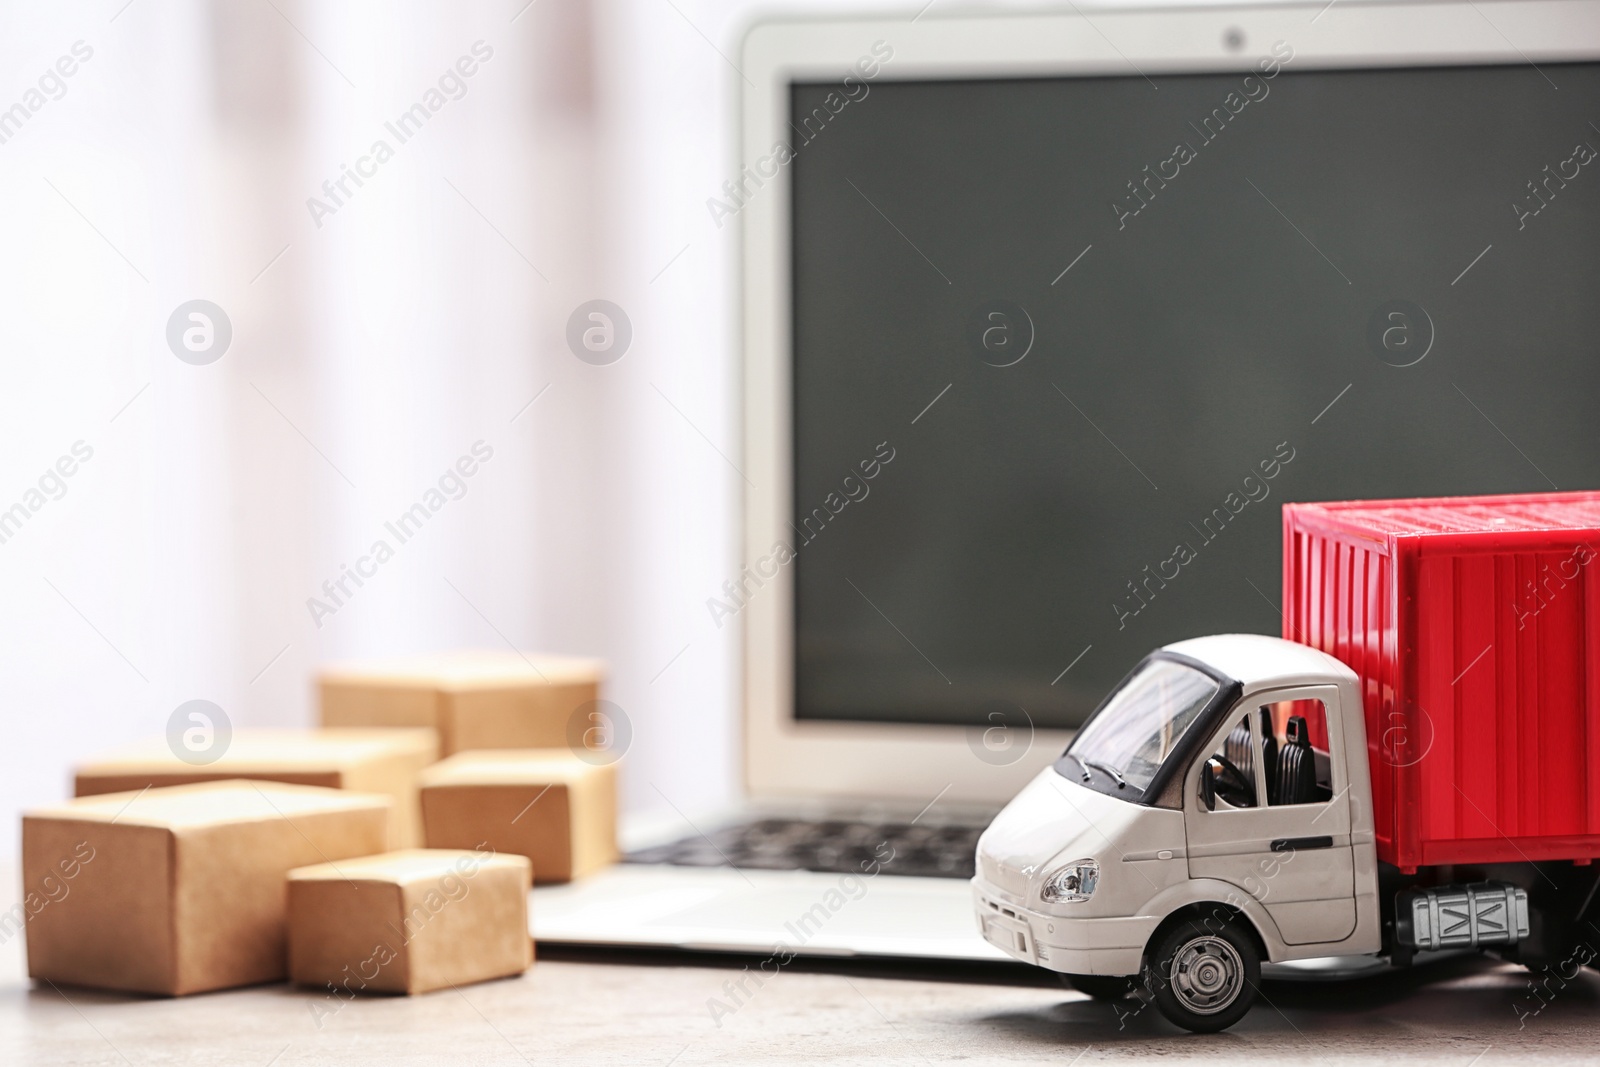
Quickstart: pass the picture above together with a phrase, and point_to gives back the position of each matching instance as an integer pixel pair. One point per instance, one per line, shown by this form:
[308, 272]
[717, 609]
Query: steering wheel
[1234, 787]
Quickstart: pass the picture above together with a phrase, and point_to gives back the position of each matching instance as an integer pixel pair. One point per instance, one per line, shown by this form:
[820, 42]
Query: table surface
[578, 1007]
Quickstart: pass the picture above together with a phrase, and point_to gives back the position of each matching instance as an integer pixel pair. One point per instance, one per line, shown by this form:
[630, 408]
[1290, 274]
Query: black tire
[1203, 973]
[1103, 986]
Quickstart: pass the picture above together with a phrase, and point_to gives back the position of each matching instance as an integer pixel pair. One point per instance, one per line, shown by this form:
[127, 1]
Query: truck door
[1268, 810]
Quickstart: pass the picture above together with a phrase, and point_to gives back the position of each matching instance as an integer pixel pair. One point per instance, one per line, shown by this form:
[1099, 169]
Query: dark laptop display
[1063, 346]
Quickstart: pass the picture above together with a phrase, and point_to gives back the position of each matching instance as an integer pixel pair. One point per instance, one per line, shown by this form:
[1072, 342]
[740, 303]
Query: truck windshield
[1124, 745]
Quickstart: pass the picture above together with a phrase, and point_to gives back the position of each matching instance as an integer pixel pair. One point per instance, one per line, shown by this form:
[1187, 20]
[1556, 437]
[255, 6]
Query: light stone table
[649, 1009]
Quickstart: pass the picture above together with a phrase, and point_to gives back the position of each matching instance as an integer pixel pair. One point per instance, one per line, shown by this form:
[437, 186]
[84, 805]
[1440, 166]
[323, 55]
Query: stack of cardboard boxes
[295, 854]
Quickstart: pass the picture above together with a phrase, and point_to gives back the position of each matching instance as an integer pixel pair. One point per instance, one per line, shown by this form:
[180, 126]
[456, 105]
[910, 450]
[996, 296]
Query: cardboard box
[475, 700]
[367, 761]
[181, 890]
[409, 922]
[548, 805]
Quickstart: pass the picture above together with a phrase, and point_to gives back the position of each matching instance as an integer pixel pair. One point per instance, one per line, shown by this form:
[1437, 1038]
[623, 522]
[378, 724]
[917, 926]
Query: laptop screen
[1062, 347]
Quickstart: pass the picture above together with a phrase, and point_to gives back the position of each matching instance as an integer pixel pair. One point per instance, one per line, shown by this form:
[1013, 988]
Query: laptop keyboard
[831, 846]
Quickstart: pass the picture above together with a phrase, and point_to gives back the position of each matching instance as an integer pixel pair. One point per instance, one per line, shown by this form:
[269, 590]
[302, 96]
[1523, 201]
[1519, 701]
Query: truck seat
[1269, 752]
[1237, 749]
[1297, 766]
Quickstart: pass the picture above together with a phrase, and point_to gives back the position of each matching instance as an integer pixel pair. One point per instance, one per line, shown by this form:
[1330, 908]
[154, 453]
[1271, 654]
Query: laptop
[1044, 315]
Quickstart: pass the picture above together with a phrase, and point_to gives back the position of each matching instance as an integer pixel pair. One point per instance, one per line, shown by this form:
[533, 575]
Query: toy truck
[1414, 767]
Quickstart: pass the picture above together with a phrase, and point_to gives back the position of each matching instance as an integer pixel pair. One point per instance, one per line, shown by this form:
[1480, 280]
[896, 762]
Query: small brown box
[547, 804]
[367, 761]
[475, 700]
[182, 890]
[409, 922]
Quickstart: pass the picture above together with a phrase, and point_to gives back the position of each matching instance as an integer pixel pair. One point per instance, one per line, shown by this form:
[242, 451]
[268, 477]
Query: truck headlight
[1071, 884]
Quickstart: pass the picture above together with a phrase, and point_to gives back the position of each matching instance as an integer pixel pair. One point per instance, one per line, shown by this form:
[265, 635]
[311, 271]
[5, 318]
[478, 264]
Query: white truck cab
[1214, 813]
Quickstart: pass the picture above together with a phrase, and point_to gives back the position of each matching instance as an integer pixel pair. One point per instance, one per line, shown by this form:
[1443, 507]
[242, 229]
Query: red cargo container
[1474, 626]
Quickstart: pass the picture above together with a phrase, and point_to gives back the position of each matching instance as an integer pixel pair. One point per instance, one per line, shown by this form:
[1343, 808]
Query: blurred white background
[368, 353]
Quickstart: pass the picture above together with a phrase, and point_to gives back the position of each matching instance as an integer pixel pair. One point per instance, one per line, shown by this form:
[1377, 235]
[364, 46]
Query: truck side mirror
[1208, 787]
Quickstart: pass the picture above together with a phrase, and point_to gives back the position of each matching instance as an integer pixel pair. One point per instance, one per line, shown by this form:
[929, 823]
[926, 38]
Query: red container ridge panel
[1474, 626]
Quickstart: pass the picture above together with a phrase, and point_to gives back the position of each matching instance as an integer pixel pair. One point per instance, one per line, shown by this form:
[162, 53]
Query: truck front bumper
[1112, 945]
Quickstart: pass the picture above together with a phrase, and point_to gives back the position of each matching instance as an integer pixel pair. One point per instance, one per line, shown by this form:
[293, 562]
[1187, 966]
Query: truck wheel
[1203, 974]
[1103, 986]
